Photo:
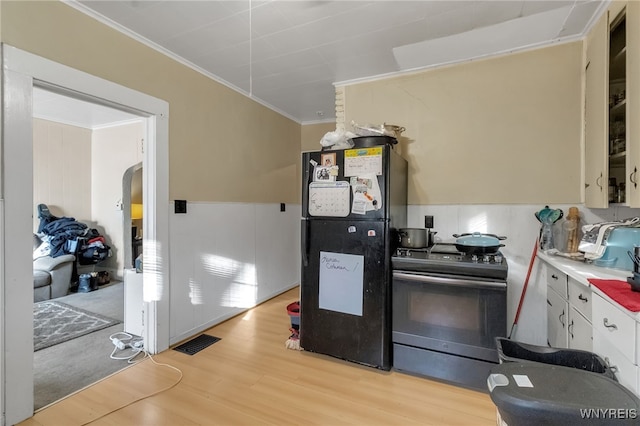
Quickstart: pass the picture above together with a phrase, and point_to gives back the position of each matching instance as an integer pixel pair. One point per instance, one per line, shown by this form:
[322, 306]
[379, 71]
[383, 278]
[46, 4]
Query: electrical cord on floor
[122, 341]
[146, 354]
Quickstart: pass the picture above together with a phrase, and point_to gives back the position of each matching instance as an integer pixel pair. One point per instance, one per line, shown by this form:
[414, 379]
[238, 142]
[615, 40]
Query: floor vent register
[194, 346]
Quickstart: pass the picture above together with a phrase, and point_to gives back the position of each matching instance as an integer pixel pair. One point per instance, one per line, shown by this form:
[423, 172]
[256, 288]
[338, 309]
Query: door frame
[20, 72]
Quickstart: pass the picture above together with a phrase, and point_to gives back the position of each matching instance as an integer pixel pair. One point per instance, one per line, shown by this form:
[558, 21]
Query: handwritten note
[341, 282]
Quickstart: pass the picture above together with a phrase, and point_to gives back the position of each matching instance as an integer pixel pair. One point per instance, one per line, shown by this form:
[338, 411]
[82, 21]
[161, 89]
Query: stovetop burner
[444, 258]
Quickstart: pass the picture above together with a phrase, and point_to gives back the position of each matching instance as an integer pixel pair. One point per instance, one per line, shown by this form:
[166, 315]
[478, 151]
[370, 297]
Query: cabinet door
[596, 115]
[613, 322]
[579, 331]
[557, 308]
[626, 371]
[633, 102]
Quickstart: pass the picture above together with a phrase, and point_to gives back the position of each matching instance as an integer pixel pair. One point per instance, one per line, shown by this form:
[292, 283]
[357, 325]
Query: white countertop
[581, 272]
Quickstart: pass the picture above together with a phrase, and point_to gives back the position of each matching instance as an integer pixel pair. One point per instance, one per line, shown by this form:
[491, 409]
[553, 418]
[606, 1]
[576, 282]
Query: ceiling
[288, 55]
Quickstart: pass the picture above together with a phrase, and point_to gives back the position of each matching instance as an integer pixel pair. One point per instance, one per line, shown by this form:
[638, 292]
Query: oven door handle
[461, 282]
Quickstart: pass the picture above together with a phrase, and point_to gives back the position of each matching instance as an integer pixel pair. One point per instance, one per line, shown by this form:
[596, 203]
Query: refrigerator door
[345, 291]
[347, 184]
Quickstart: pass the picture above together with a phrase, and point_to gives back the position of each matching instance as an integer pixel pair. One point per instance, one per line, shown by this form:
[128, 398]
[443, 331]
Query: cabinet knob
[584, 299]
[632, 177]
[554, 276]
[570, 328]
[560, 318]
[609, 326]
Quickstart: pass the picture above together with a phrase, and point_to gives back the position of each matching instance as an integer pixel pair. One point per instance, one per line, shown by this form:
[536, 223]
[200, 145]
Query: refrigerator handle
[305, 242]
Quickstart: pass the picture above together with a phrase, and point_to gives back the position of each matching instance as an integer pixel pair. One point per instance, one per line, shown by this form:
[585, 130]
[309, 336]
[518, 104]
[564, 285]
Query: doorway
[21, 72]
[86, 186]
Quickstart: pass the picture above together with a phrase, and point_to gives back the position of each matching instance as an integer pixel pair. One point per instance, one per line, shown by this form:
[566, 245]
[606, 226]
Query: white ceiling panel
[509, 35]
[295, 50]
[579, 18]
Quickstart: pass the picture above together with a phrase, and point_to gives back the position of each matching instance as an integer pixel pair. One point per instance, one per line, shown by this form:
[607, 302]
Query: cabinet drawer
[557, 280]
[626, 371]
[619, 329]
[580, 297]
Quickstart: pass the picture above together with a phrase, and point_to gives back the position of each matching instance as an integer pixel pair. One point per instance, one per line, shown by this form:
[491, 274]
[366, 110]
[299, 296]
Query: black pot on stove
[478, 243]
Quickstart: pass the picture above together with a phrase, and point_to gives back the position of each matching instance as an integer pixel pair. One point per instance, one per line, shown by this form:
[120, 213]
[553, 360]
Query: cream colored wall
[496, 131]
[61, 170]
[312, 133]
[222, 145]
[114, 150]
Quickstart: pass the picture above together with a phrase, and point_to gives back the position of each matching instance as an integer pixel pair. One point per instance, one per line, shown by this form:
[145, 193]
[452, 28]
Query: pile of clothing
[65, 235]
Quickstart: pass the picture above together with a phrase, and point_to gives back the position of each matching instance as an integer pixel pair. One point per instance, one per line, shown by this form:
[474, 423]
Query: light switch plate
[180, 206]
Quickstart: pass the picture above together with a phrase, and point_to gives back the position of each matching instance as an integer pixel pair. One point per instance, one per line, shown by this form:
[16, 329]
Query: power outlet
[180, 206]
[428, 222]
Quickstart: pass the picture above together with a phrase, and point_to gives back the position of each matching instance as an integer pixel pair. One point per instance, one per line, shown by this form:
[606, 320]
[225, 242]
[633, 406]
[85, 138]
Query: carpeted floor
[64, 368]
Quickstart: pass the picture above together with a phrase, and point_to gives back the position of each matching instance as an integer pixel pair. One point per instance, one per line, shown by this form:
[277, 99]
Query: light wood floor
[250, 378]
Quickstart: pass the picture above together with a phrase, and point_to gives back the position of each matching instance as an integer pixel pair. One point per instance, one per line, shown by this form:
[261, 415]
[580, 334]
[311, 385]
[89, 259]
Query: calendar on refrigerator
[329, 199]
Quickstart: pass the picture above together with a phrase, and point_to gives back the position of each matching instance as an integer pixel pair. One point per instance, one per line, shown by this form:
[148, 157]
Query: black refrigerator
[353, 202]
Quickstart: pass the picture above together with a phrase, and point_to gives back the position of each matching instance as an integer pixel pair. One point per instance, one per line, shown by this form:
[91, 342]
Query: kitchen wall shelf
[617, 159]
[621, 55]
[618, 109]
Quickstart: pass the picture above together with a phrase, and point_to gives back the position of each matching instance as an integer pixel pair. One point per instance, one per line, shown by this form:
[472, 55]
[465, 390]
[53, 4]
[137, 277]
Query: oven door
[449, 314]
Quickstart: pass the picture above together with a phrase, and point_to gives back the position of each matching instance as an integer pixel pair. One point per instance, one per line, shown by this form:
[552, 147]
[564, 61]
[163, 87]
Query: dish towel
[619, 291]
[594, 240]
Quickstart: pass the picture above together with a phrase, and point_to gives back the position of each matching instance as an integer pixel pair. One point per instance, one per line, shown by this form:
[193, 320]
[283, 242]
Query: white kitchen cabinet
[579, 327]
[557, 307]
[625, 371]
[595, 115]
[579, 330]
[591, 315]
[633, 102]
[612, 100]
[619, 329]
[557, 317]
[614, 338]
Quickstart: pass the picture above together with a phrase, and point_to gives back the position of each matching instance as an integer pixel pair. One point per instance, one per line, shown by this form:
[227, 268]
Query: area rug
[56, 322]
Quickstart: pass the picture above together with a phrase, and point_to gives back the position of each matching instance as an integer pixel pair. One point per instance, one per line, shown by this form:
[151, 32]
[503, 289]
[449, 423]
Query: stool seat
[533, 393]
